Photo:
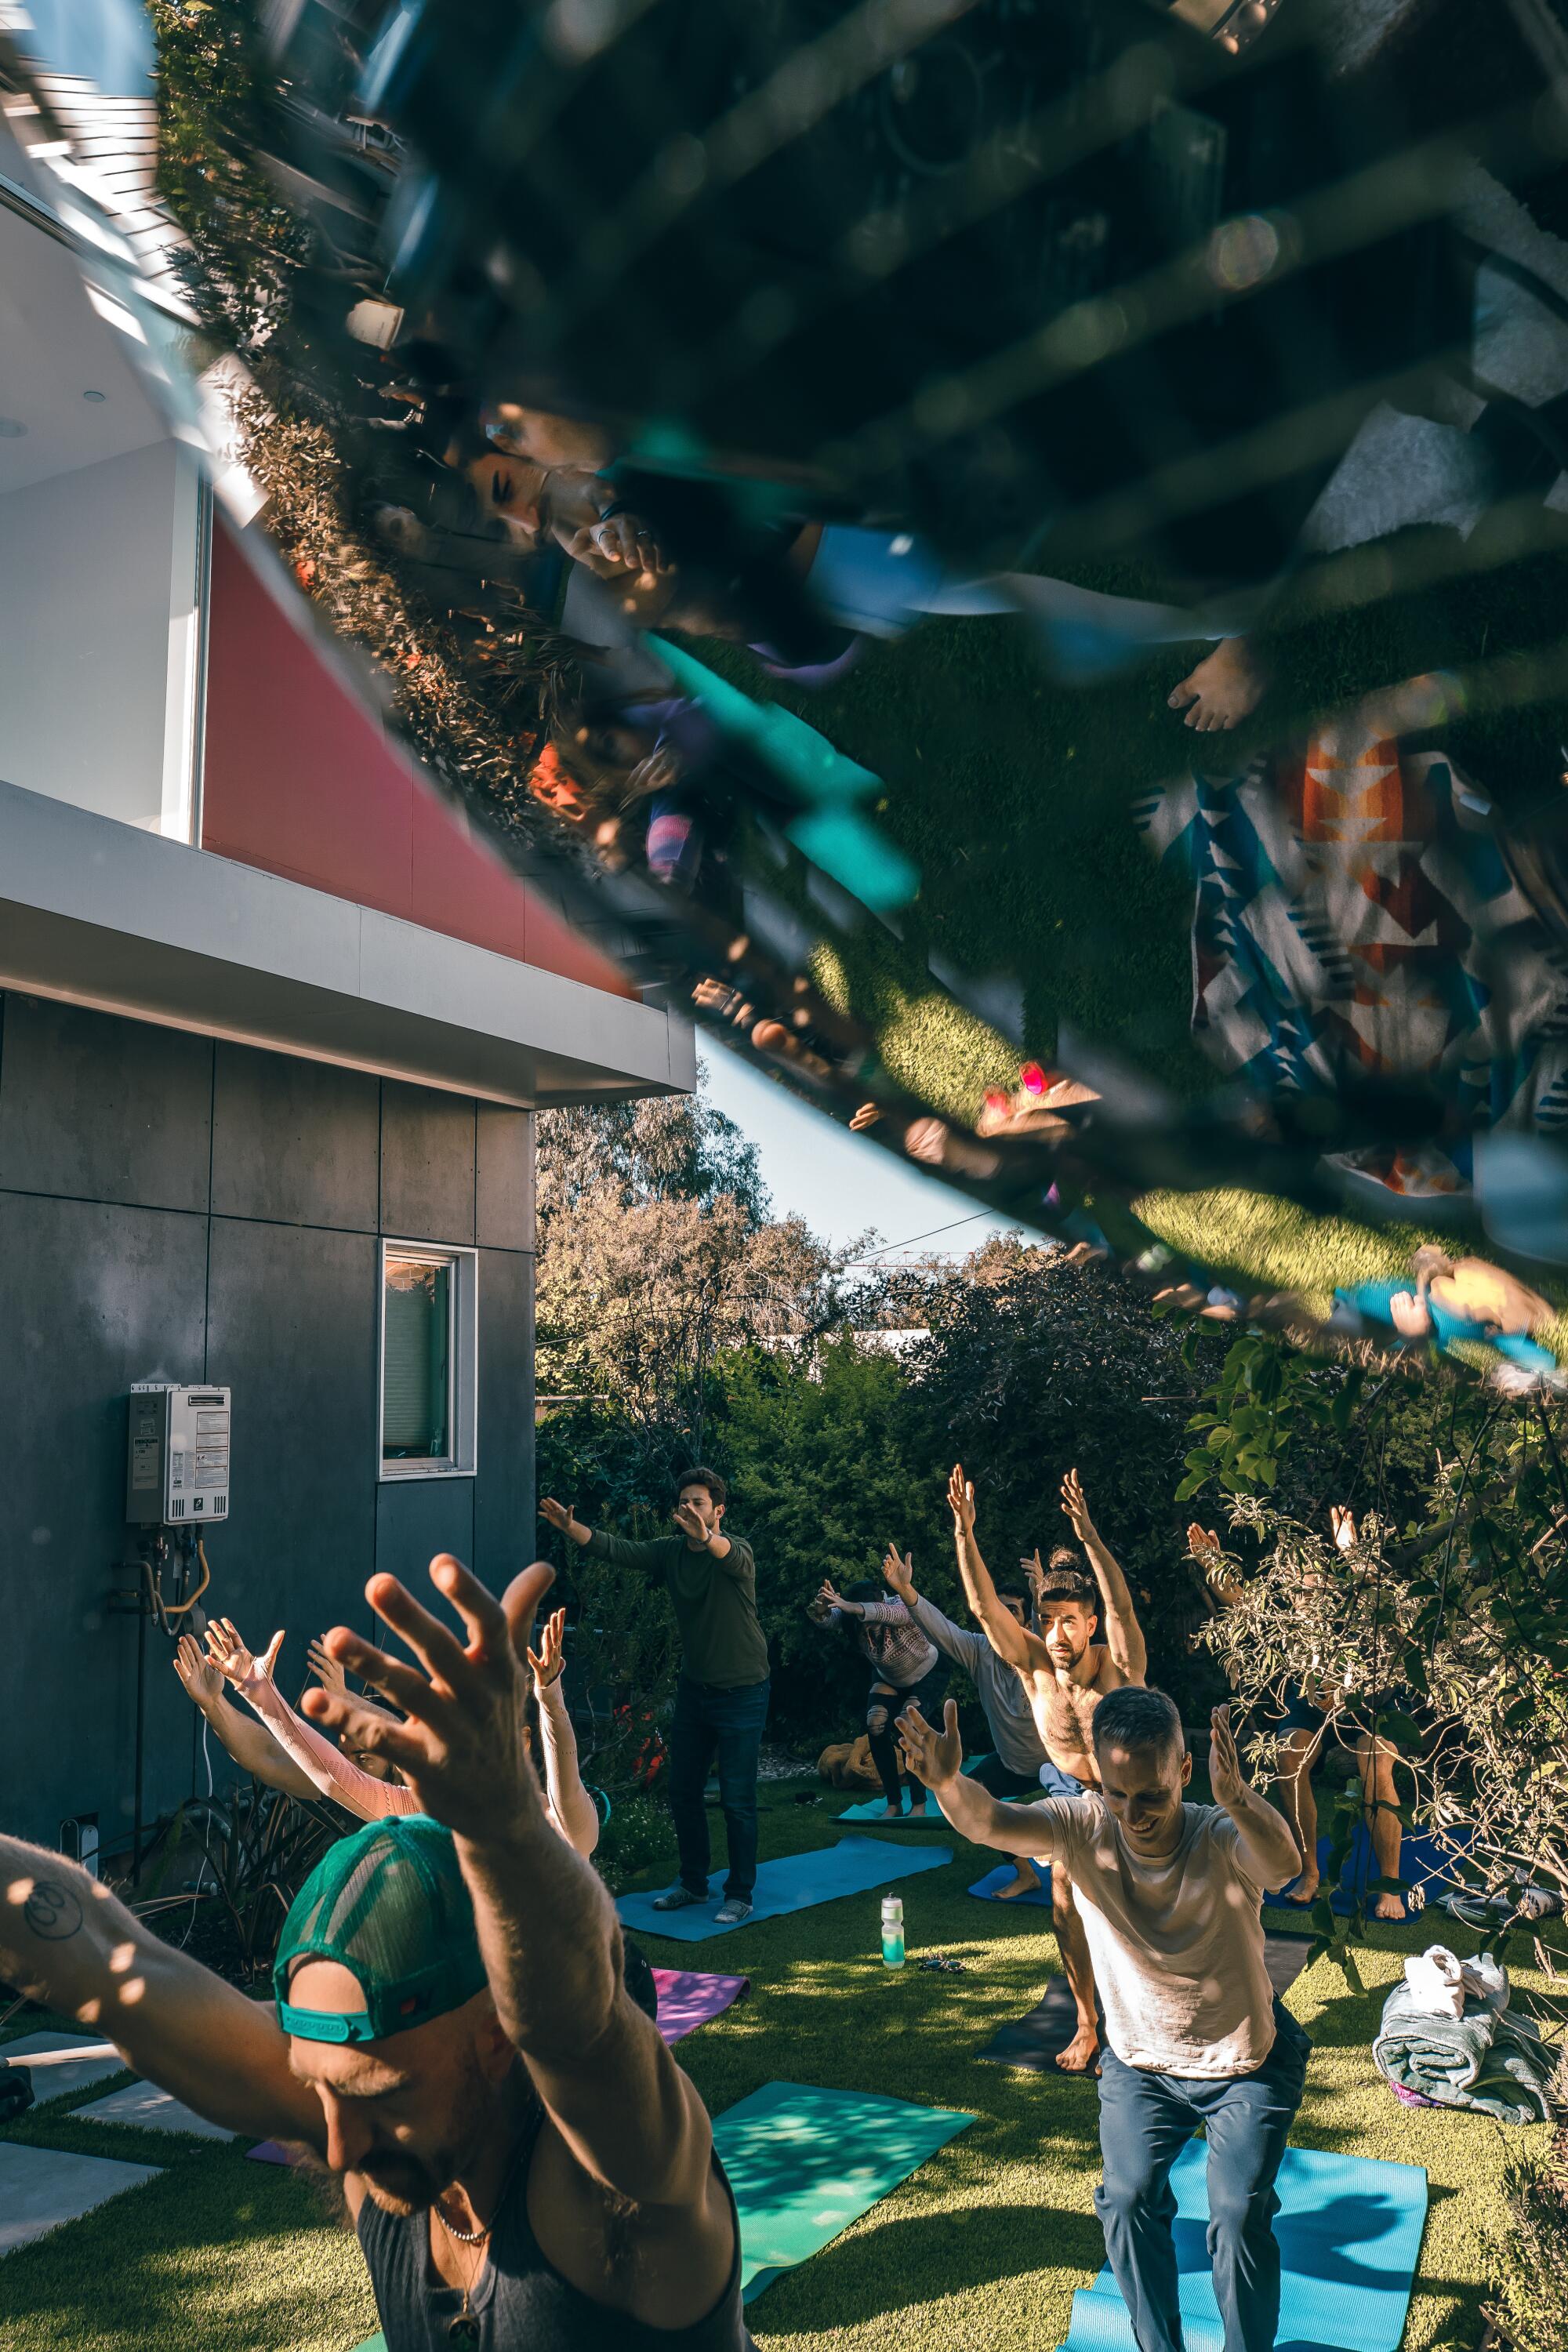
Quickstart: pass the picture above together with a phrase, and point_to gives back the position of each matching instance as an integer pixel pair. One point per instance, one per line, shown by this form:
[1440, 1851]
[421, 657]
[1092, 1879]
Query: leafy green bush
[1530, 2309]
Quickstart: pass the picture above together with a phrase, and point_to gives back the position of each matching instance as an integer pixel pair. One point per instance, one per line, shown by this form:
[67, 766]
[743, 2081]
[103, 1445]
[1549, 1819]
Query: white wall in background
[99, 636]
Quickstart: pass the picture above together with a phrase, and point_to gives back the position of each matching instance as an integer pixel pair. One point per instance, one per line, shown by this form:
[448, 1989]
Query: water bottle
[893, 1931]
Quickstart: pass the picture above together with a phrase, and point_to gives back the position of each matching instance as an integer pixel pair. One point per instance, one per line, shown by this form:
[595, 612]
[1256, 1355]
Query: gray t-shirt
[1001, 1687]
[1178, 1942]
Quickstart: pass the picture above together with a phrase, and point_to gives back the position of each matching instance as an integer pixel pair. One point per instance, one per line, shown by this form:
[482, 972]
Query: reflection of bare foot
[1081, 2053]
[1388, 1907]
[1223, 689]
[1305, 1890]
[1027, 1878]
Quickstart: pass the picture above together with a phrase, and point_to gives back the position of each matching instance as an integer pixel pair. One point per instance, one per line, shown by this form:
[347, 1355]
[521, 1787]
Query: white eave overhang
[98, 913]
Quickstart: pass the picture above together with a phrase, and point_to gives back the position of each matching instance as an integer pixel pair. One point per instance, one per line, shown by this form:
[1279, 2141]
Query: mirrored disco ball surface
[1006, 559]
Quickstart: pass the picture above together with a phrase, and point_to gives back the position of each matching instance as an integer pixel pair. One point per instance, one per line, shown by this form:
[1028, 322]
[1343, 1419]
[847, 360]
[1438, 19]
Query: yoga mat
[805, 2163]
[854, 1866]
[1034, 2041]
[687, 2001]
[874, 1809]
[1348, 2231]
[1421, 1862]
[271, 2151]
[987, 1887]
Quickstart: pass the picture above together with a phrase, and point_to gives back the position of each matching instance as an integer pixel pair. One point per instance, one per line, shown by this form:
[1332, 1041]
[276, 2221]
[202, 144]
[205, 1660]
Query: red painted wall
[301, 780]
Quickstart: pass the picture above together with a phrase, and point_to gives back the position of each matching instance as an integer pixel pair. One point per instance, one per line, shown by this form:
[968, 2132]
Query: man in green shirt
[721, 1698]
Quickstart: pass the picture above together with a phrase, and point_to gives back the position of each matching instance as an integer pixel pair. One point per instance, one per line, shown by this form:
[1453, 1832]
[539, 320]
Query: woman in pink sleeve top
[335, 1775]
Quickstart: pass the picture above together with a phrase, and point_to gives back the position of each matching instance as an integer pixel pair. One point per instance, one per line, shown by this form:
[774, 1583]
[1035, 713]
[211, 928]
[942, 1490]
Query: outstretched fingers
[336, 1712]
[521, 1603]
[403, 1685]
[434, 1645]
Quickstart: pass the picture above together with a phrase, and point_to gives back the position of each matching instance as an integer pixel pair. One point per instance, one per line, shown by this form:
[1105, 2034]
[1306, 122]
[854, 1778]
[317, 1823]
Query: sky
[840, 1184]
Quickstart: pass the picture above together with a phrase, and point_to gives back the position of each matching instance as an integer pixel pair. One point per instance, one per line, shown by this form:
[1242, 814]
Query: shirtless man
[1066, 1672]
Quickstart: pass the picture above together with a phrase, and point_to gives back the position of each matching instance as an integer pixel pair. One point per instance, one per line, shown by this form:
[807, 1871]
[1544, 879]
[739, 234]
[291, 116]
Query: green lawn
[981, 2249]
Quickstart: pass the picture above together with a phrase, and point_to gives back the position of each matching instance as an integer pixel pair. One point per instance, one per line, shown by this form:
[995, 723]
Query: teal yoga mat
[795, 1883]
[874, 1809]
[1350, 2234]
[805, 2163]
[989, 1887]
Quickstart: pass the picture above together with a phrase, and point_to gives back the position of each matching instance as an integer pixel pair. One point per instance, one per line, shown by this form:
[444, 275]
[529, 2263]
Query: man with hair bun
[1168, 1894]
[1067, 1672]
[721, 1698]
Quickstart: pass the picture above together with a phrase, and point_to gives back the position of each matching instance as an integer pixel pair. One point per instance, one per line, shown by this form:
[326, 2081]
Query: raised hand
[203, 1681]
[327, 1671]
[1224, 1764]
[463, 1747]
[898, 1573]
[933, 1757]
[688, 1519]
[1201, 1540]
[1342, 1522]
[237, 1664]
[960, 1502]
[548, 1660]
[1034, 1569]
[564, 1517]
[1077, 1509]
[827, 1595]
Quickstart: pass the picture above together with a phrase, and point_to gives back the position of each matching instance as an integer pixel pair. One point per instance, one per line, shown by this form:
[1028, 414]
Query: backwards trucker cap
[389, 1904]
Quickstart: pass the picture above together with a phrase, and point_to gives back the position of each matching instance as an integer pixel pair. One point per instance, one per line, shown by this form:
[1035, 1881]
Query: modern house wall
[178, 1207]
[100, 571]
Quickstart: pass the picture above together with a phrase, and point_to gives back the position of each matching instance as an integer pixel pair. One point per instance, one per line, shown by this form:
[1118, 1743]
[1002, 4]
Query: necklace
[465, 2327]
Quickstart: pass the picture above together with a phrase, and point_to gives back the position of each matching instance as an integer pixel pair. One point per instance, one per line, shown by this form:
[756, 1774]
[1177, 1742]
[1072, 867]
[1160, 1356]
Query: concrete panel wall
[176, 1209]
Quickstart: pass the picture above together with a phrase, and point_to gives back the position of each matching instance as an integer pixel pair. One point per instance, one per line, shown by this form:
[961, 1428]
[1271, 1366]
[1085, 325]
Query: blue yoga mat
[1348, 2231]
[987, 1887]
[1421, 1864]
[804, 2163]
[874, 1809]
[853, 1866]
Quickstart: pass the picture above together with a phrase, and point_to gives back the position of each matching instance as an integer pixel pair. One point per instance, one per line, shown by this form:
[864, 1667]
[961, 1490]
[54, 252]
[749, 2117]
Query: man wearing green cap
[523, 2161]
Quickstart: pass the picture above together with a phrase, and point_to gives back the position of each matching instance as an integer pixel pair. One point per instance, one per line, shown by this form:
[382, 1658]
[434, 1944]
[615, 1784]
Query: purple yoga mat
[688, 2000]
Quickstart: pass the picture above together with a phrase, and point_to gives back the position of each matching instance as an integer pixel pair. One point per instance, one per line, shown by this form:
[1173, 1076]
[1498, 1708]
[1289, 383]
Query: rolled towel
[1495, 2063]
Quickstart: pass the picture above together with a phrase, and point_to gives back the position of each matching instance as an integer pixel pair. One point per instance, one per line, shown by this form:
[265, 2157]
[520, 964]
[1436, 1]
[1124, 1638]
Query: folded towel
[1440, 1982]
[1496, 2064]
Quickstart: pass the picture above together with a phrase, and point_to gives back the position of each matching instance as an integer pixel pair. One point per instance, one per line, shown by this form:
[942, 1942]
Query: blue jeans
[727, 1723]
[1145, 2121]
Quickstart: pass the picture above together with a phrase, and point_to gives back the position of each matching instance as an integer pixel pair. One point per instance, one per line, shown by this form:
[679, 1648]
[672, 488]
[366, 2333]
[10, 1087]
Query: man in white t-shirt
[1170, 1896]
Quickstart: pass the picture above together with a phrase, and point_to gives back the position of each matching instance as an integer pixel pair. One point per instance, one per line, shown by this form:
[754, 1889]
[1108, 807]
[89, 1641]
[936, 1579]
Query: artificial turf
[982, 2248]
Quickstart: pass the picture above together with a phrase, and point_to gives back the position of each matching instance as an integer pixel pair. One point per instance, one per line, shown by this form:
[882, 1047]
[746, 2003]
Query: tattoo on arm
[52, 1911]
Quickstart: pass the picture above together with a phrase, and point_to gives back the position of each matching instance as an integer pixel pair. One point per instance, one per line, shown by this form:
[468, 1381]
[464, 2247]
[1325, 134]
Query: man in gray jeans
[1017, 1752]
[1171, 1897]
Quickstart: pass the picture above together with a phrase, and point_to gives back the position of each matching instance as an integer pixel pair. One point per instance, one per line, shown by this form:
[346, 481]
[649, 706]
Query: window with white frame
[429, 1324]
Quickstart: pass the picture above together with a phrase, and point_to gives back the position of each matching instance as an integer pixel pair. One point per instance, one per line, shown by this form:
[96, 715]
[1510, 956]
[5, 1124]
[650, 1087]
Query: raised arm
[250, 1743]
[67, 1942]
[1265, 1844]
[547, 1927]
[1010, 1640]
[326, 1766]
[936, 1758]
[576, 1815]
[1123, 1635]
[618, 1550]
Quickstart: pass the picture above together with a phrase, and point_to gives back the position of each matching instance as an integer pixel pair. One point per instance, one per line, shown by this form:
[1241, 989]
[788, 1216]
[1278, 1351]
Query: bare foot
[891, 1814]
[1305, 1890]
[1225, 689]
[1079, 2055]
[1388, 1907]
[1027, 1878]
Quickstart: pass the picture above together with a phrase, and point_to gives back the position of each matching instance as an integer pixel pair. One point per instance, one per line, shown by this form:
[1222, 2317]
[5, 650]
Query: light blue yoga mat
[805, 2163]
[1350, 2235]
[1421, 1864]
[874, 1809]
[795, 1882]
[988, 1888]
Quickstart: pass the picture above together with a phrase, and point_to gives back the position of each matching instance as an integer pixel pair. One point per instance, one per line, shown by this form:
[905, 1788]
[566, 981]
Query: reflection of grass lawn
[982, 2248]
